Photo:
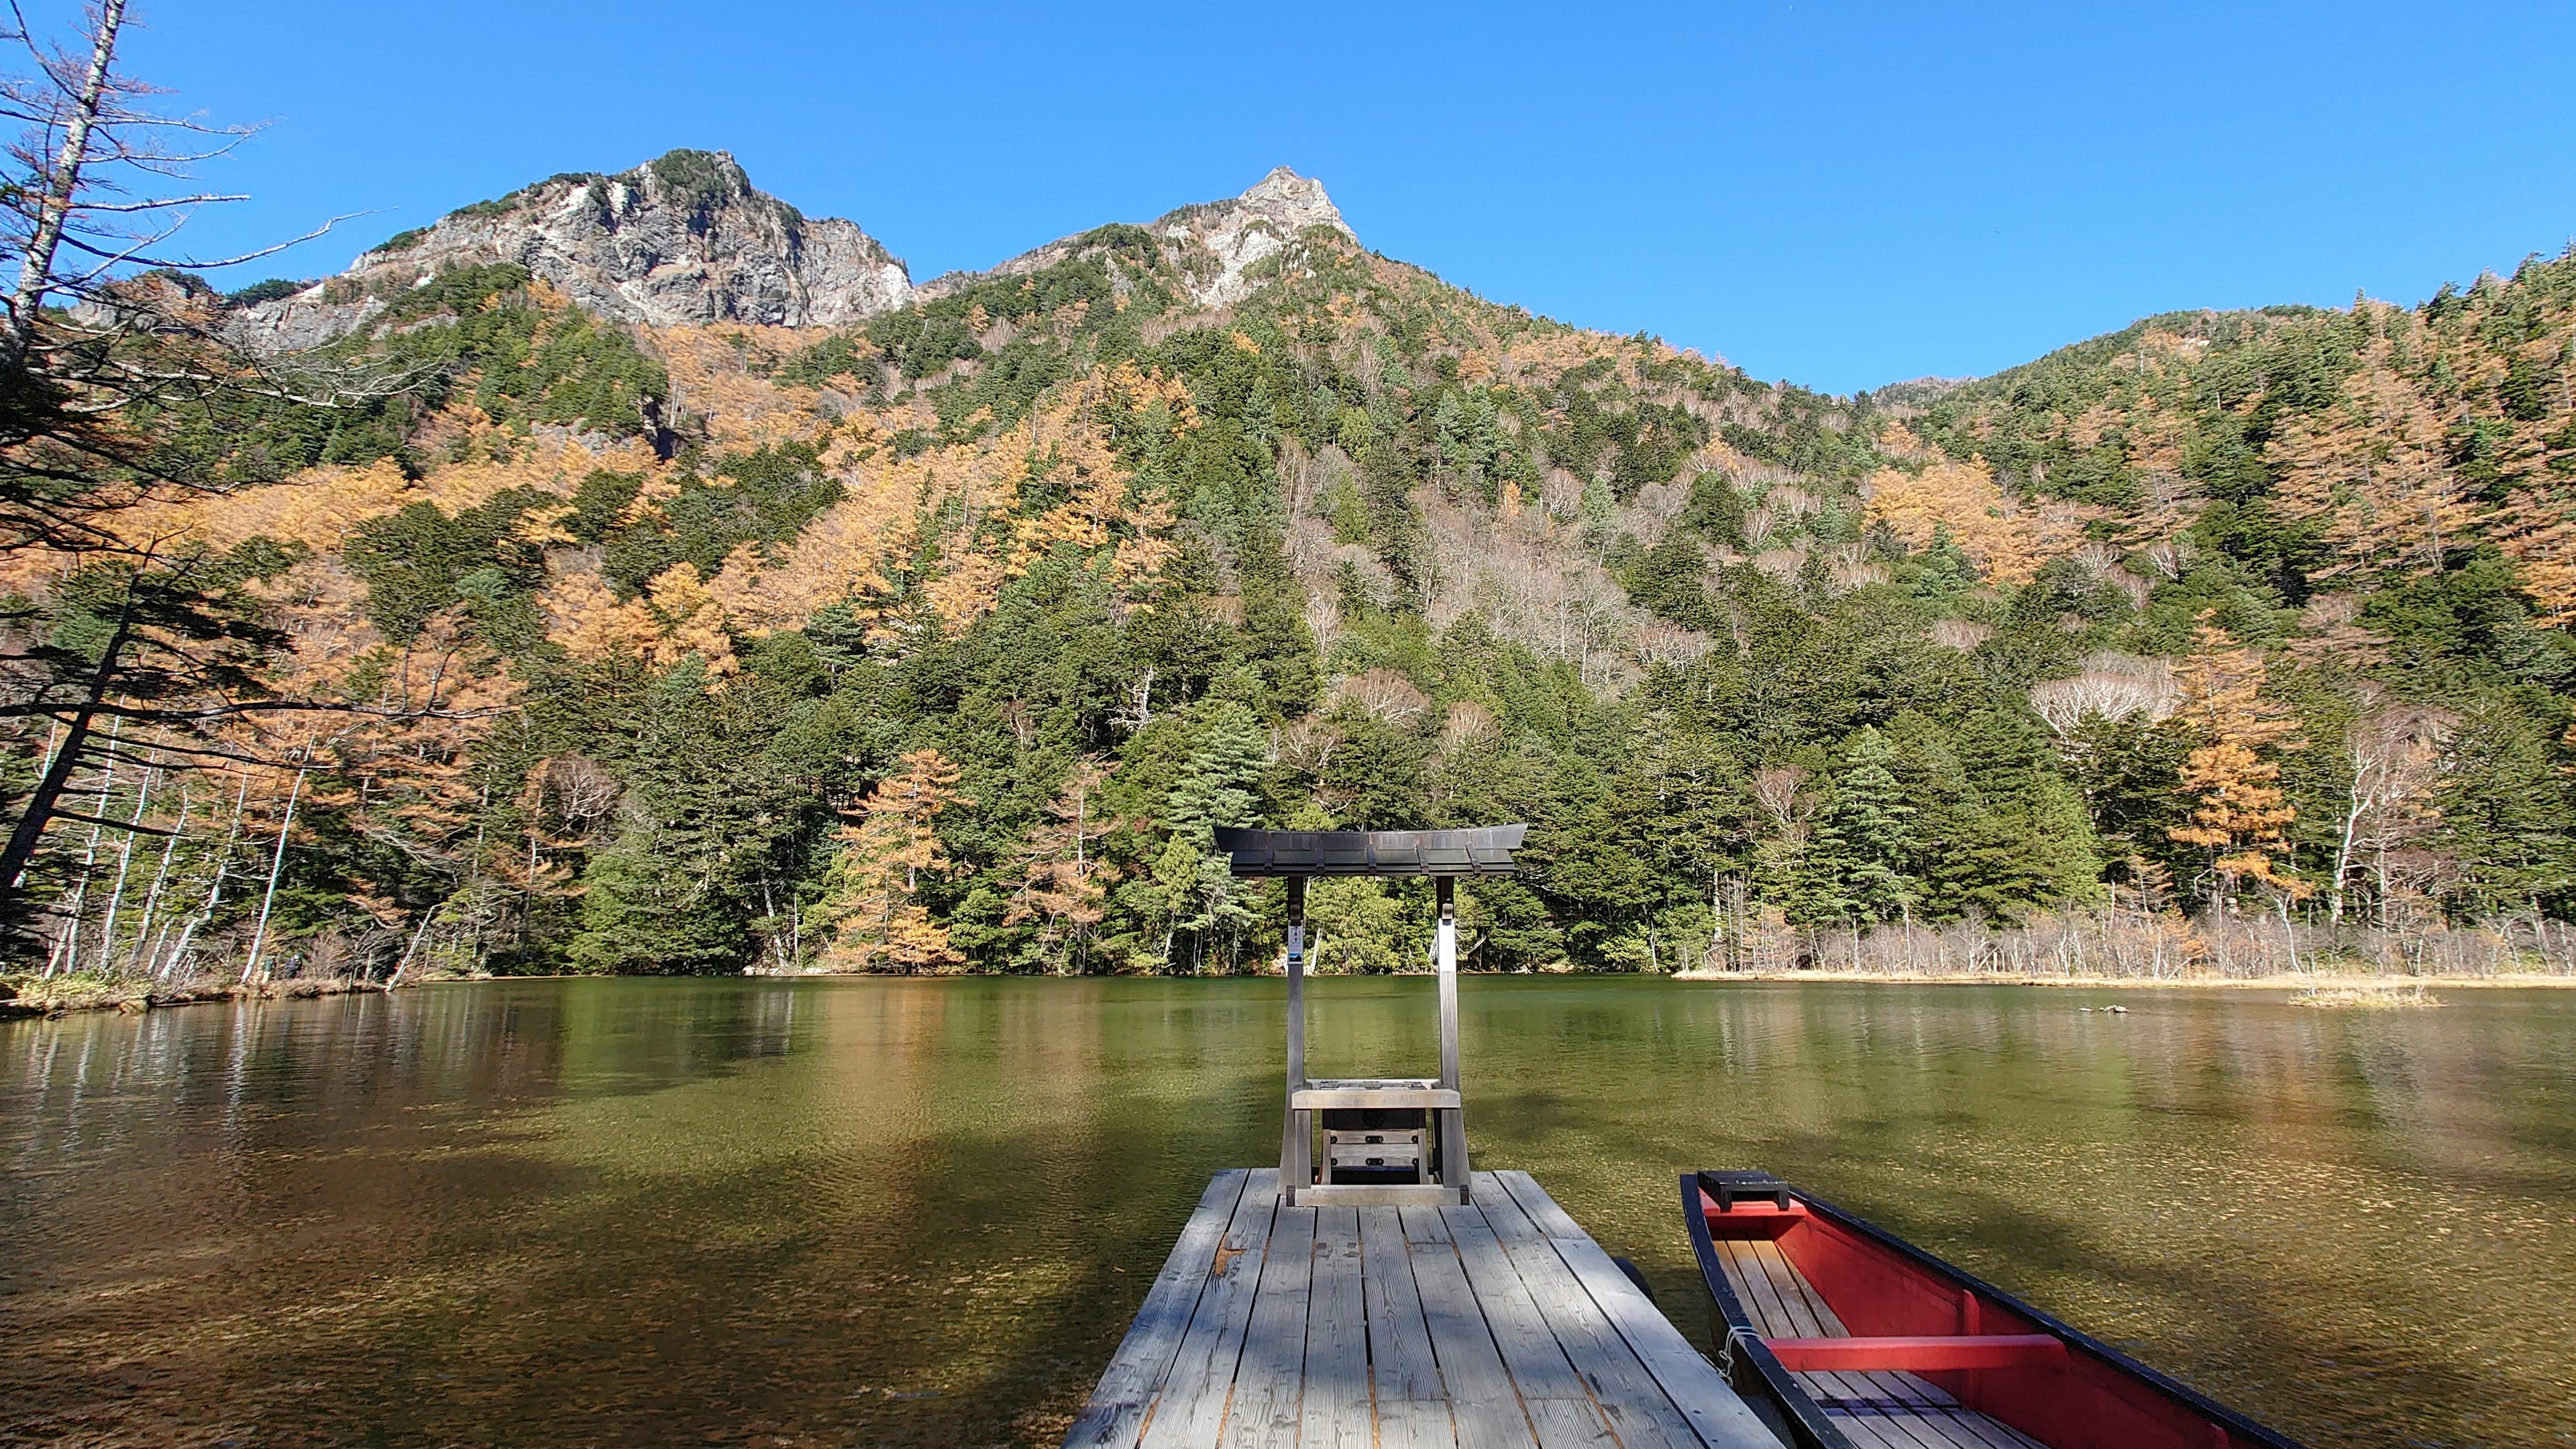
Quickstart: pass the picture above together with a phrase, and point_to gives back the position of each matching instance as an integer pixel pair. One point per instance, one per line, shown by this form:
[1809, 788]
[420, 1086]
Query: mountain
[1219, 241]
[683, 239]
[937, 630]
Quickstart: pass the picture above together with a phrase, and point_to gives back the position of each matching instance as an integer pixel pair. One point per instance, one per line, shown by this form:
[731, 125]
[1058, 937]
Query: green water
[884, 1212]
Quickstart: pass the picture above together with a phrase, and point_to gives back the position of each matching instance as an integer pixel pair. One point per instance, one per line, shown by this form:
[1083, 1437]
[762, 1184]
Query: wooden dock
[1495, 1325]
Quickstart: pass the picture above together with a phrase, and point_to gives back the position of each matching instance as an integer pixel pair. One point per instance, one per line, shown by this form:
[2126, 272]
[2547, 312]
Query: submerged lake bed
[921, 1212]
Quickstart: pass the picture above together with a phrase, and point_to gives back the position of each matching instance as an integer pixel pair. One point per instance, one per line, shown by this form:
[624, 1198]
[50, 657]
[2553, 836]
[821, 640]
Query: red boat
[1847, 1337]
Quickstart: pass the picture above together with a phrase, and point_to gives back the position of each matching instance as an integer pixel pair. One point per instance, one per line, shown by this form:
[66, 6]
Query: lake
[920, 1212]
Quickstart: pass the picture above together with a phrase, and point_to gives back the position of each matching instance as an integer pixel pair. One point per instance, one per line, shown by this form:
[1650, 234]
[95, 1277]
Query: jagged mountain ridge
[682, 239]
[686, 239]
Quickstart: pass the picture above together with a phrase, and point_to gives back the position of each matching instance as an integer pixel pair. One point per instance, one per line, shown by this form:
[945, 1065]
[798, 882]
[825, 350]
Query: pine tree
[2506, 818]
[1869, 840]
[1215, 788]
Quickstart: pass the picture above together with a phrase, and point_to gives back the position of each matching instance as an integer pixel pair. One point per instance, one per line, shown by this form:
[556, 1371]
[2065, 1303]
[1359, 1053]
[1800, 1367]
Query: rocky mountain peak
[1223, 238]
[687, 239]
[1241, 232]
[682, 239]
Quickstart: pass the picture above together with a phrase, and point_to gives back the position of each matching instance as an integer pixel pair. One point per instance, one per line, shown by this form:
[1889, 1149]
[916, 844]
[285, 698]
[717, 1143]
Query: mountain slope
[939, 638]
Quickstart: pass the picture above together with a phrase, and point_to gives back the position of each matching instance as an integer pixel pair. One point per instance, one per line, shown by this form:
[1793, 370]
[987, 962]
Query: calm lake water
[888, 1212]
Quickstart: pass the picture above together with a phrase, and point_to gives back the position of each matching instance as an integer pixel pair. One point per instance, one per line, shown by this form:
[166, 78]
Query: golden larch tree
[871, 902]
[1064, 879]
[2241, 815]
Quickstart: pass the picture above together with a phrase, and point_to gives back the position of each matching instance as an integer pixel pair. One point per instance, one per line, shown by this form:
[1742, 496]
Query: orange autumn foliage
[2006, 538]
[2241, 815]
[871, 903]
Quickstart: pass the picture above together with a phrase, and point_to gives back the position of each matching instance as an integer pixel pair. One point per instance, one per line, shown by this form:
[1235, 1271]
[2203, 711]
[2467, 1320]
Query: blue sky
[1842, 195]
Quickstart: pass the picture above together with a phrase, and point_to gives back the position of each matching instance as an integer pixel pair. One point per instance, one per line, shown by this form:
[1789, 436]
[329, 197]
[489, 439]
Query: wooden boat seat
[1920, 1353]
[1877, 1408]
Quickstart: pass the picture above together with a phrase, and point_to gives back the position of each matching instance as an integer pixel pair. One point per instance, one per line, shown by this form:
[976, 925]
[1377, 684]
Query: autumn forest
[502, 635]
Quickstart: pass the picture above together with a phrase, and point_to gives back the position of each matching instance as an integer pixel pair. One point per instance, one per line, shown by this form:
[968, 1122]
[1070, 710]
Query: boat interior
[1895, 1349]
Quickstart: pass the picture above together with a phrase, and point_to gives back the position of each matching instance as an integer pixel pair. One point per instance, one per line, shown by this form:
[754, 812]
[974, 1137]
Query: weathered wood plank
[1905, 1388]
[1806, 1316]
[1481, 1397]
[1866, 1430]
[1641, 1414]
[1778, 1282]
[1902, 1428]
[1794, 1284]
[1190, 1410]
[1530, 1353]
[1414, 1328]
[1994, 1432]
[1335, 1414]
[1399, 1343]
[1267, 1405]
[1415, 1424]
[1569, 1424]
[1716, 1414]
[1116, 1411]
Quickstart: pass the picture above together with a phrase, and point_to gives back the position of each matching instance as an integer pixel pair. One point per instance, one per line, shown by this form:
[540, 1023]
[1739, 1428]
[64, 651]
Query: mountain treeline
[943, 641]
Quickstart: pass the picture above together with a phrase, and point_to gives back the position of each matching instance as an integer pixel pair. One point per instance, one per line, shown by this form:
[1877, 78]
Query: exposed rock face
[1240, 232]
[683, 239]
[1218, 240]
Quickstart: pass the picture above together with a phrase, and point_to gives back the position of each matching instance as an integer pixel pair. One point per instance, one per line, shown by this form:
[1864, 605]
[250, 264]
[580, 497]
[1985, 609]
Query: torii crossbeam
[1388, 1141]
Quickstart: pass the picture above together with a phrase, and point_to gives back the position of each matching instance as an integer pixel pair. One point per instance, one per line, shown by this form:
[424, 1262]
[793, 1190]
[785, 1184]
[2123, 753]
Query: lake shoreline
[2279, 982]
[36, 1001]
[50, 998]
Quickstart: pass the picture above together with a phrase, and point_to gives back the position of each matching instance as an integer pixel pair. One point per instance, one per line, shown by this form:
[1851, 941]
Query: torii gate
[1375, 1128]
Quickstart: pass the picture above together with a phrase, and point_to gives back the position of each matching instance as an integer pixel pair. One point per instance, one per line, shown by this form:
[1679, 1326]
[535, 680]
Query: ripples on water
[883, 1212]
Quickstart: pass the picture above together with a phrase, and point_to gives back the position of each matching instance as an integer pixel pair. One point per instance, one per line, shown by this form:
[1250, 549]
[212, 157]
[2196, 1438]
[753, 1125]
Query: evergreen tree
[1869, 843]
[1217, 787]
[2506, 819]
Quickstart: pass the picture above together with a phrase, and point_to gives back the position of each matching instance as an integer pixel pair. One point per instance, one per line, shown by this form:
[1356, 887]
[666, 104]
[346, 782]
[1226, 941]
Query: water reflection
[910, 1212]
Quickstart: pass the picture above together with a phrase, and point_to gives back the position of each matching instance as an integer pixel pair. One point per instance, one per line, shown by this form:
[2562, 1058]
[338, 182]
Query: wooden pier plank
[1401, 1362]
[1641, 1414]
[1720, 1418]
[1424, 1225]
[1560, 1409]
[1190, 1410]
[1497, 1323]
[1336, 1411]
[1483, 1401]
[1415, 1424]
[1530, 1352]
[1266, 1408]
[1569, 1424]
[1116, 1412]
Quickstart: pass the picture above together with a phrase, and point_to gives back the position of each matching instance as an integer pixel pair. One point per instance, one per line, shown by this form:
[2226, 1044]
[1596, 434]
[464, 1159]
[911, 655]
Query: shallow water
[890, 1212]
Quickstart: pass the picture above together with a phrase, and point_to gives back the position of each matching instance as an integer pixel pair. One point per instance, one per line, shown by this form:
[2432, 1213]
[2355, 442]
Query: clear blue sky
[1837, 194]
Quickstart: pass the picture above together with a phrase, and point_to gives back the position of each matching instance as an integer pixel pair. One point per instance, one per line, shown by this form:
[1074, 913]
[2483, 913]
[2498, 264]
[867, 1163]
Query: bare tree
[2394, 759]
[1775, 789]
[2111, 686]
[1385, 696]
[98, 354]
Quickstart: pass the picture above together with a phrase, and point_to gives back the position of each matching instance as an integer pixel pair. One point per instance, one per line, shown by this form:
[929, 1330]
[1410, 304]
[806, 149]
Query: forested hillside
[941, 640]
